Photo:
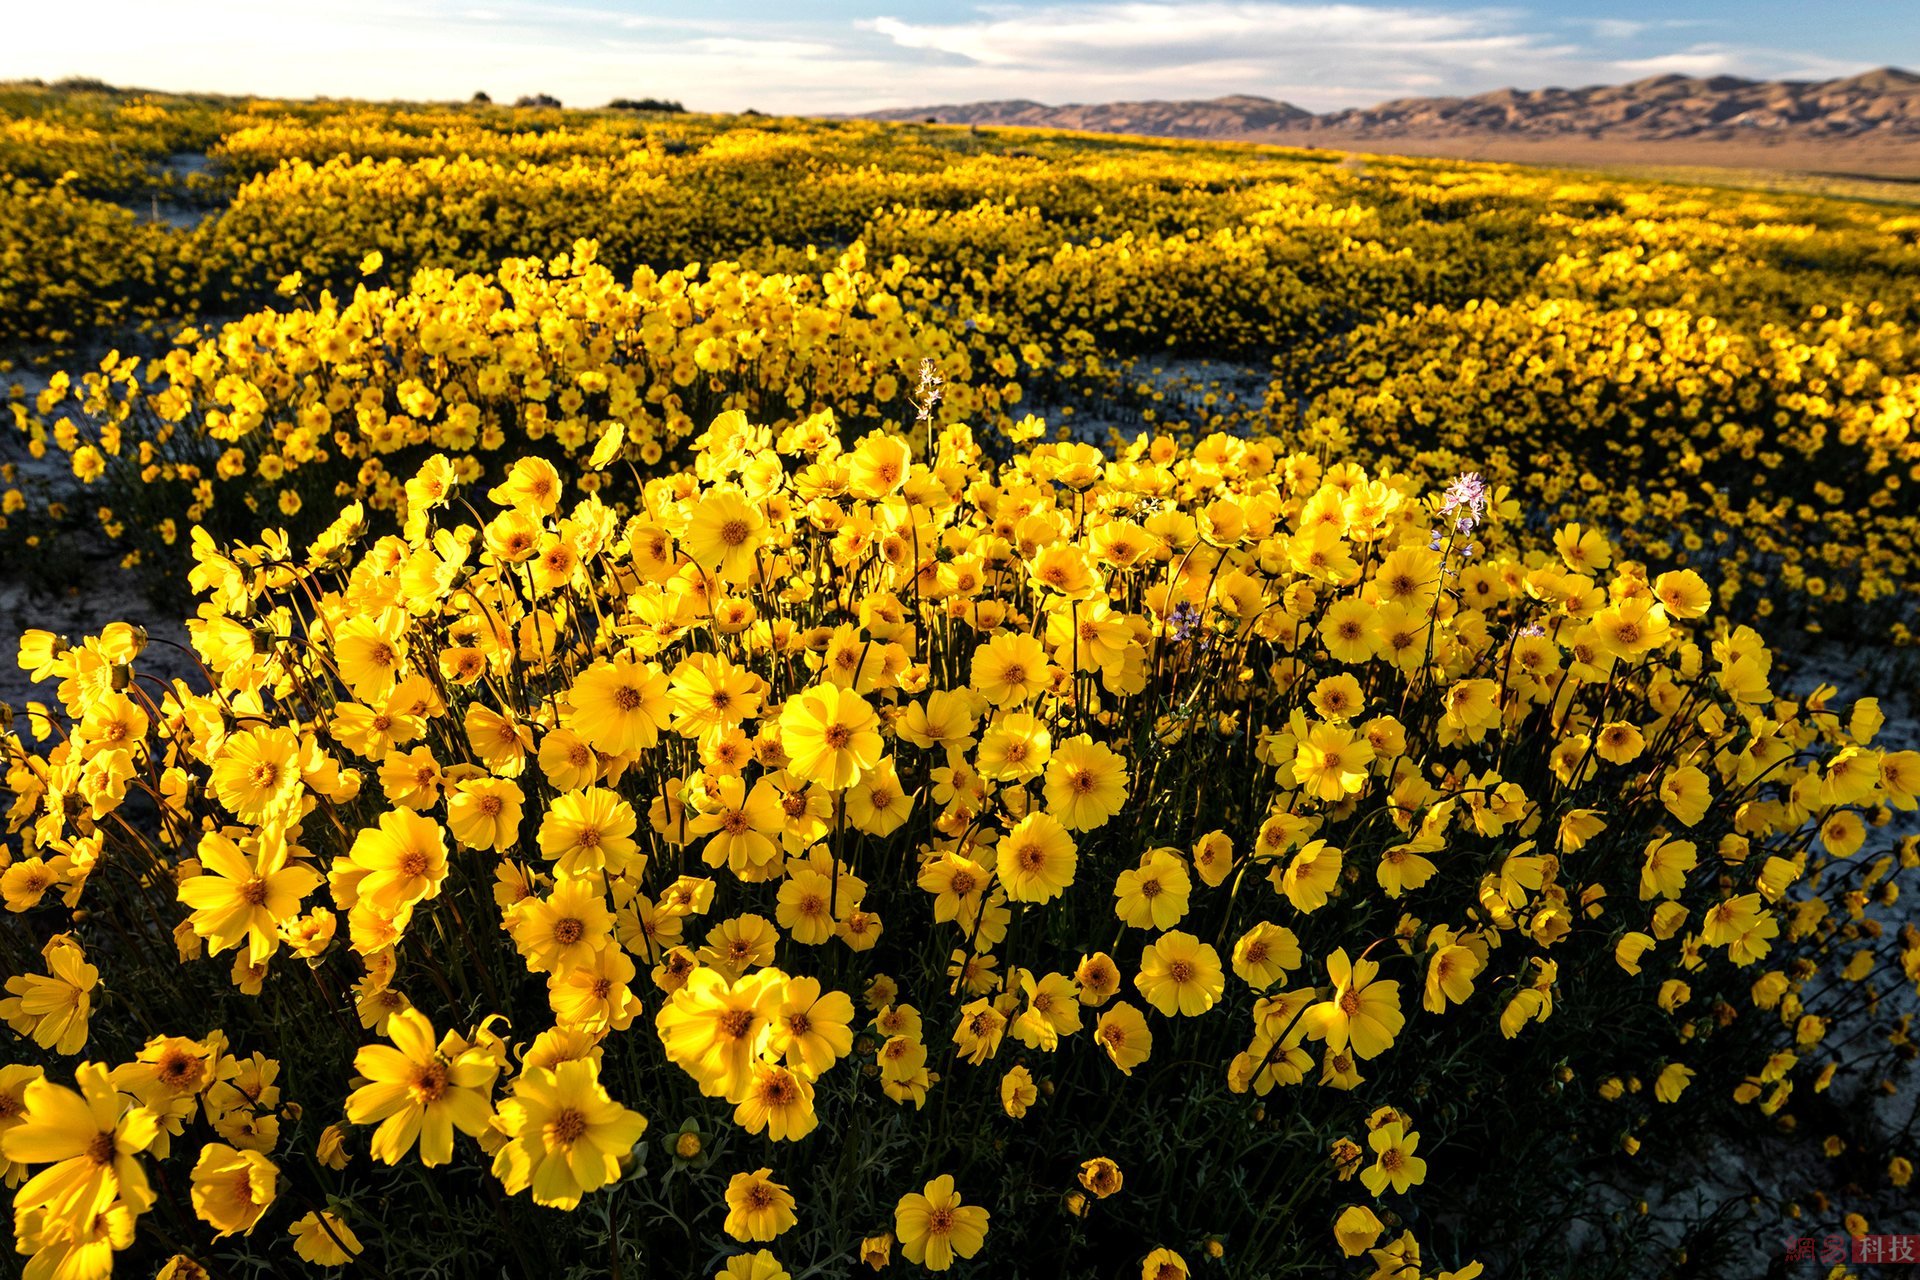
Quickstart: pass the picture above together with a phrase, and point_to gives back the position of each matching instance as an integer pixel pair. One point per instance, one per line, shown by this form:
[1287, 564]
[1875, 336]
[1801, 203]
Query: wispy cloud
[1317, 55]
[776, 55]
[1615, 28]
[1633, 28]
[1309, 52]
[1070, 36]
[1733, 60]
[766, 51]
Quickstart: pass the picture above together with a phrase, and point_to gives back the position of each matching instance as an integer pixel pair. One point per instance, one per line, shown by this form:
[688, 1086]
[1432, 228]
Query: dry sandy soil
[89, 591]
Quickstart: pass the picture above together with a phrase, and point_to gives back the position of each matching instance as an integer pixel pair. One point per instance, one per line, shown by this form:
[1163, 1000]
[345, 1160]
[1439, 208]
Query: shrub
[282, 413]
[1078, 864]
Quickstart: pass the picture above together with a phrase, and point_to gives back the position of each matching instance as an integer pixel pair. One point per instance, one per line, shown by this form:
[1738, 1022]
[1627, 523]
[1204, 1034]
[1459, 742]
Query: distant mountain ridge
[1875, 106]
[1230, 117]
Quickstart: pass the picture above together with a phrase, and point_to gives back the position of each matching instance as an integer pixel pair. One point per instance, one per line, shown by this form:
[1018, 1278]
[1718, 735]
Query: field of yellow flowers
[766, 698]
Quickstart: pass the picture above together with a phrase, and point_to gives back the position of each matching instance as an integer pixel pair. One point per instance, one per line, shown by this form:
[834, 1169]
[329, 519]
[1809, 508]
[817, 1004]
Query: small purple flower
[1185, 620]
[1533, 629]
[1466, 501]
[927, 395]
[1433, 541]
[1467, 490]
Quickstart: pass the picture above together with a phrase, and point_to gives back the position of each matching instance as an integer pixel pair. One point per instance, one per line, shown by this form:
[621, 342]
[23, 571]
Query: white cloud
[1317, 55]
[1321, 55]
[1727, 60]
[1068, 35]
[762, 51]
[1705, 62]
[1615, 28]
[1301, 44]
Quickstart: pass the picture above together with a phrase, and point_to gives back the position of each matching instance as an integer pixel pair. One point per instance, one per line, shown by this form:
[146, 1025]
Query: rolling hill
[1868, 123]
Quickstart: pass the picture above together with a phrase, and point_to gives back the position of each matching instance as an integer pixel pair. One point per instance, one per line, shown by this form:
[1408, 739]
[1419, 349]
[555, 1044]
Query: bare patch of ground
[74, 589]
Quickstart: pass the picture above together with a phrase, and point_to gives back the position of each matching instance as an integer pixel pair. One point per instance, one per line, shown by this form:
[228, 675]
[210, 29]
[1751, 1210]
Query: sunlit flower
[934, 1226]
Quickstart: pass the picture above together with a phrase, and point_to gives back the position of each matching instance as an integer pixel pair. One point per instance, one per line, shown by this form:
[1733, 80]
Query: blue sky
[849, 55]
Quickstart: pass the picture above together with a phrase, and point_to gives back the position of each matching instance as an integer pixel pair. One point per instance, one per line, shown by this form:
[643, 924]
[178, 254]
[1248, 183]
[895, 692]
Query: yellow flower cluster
[1716, 378]
[818, 788]
[648, 708]
[1783, 460]
[271, 137]
[313, 403]
[103, 143]
[48, 151]
[70, 265]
